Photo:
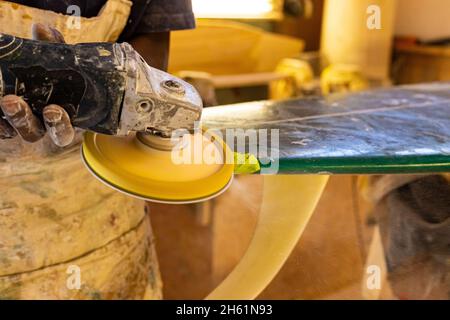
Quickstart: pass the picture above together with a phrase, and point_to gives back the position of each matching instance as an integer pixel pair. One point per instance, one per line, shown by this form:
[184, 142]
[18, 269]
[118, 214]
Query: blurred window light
[238, 9]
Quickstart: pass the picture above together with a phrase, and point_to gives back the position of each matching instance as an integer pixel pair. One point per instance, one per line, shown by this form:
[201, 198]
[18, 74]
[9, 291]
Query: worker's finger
[19, 115]
[44, 32]
[57, 123]
[6, 131]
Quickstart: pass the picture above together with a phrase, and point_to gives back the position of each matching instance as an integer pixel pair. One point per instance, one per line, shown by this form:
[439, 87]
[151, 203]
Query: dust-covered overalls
[63, 234]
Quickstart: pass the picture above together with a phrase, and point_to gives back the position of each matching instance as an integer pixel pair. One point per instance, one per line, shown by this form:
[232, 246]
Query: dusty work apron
[106, 27]
[63, 234]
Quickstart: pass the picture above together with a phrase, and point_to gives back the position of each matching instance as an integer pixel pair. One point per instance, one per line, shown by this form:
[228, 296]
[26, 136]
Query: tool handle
[87, 80]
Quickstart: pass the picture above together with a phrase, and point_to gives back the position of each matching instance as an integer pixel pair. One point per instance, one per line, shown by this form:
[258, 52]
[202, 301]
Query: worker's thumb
[44, 32]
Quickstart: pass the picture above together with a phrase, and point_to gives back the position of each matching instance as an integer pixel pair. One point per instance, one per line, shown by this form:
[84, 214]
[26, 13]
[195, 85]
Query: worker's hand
[19, 118]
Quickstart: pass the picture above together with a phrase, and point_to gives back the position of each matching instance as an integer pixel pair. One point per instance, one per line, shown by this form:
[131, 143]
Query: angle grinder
[143, 133]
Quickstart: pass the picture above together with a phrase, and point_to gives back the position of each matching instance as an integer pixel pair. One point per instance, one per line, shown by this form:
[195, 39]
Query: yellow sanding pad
[130, 165]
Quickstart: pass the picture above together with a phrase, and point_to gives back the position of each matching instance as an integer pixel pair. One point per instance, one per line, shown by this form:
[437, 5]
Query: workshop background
[273, 49]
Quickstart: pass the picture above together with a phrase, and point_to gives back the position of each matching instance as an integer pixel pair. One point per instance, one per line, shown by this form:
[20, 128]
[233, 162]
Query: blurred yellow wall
[425, 19]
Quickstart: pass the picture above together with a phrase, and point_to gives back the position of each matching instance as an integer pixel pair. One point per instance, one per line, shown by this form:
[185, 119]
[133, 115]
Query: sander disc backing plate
[131, 166]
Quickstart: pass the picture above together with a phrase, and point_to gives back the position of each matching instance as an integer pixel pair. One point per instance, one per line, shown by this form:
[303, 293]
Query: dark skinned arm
[154, 48]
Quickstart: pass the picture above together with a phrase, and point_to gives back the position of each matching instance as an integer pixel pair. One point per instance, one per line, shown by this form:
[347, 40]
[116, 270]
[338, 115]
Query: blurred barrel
[348, 39]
